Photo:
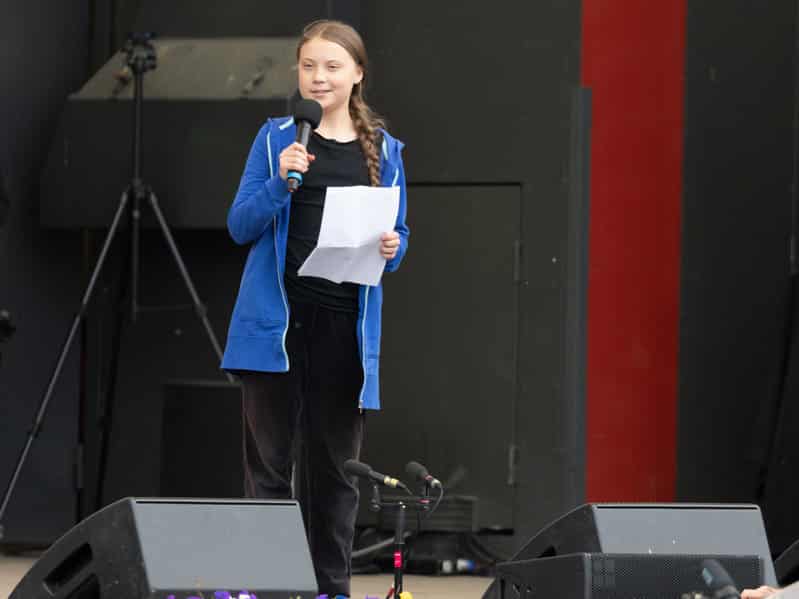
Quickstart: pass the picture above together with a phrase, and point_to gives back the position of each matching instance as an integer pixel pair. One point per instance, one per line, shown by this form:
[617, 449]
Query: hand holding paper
[389, 244]
[349, 246]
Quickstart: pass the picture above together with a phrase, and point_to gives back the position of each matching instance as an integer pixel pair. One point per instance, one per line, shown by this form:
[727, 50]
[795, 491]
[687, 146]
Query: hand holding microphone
[294, 160]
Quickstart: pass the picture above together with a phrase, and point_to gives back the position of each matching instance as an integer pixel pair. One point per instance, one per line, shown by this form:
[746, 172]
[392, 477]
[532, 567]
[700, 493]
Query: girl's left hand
[758, 593]
[389, 244]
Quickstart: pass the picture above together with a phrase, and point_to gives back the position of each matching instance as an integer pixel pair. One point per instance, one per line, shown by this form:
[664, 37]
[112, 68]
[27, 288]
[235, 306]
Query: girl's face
[327, 73]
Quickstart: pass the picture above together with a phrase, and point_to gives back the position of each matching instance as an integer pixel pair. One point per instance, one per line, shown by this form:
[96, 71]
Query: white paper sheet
[353, 220]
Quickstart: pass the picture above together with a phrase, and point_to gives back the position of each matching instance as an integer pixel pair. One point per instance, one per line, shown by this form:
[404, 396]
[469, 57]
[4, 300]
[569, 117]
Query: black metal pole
[138, 64]
[399, 549]
[138, 87]
[138, 185]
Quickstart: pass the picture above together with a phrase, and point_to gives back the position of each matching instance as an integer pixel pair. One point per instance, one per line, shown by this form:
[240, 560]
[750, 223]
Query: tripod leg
[202, 312]
[107, 412]
[40, 413]
[135, 225]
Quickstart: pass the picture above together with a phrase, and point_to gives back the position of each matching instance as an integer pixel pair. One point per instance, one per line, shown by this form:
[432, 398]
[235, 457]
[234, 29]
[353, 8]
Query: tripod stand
[141, 57]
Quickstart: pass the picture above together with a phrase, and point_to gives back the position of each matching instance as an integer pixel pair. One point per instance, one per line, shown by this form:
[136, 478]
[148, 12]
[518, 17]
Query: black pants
[310, 416]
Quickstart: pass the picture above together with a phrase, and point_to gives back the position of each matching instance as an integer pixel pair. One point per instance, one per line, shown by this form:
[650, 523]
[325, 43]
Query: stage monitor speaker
[655, 528]
[176, 549]
[618, 576]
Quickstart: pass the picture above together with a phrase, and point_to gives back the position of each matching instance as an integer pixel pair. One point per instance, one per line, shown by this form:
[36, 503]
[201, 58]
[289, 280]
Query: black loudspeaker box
[177, 549]
[618, 576]
[654, 529]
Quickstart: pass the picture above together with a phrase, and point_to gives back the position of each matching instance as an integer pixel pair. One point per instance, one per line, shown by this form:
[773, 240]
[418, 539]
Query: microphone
[416, 470]
[307, 115]
[356, 468]
[718, 580]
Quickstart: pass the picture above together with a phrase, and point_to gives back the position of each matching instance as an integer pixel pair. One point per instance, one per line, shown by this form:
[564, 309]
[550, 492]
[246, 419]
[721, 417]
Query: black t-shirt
[336, 164]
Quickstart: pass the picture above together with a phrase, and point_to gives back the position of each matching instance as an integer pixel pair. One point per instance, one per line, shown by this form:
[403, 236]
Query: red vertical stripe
[633, 60]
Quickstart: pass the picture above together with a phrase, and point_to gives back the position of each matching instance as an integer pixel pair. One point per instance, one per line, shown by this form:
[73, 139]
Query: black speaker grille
[620, 576]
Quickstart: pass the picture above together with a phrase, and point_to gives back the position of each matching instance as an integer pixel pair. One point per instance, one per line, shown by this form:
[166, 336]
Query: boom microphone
[307, 116]
[416, 470]
[356, 468]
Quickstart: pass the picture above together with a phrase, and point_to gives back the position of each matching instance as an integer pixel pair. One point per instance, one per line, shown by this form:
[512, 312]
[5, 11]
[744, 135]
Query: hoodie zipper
[363, 346]
[277, 264]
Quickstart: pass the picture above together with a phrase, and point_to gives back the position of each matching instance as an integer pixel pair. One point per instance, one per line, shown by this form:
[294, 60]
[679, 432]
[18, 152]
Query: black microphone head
[309, 111]
[356, 468]
[716, 577]
[416, 470]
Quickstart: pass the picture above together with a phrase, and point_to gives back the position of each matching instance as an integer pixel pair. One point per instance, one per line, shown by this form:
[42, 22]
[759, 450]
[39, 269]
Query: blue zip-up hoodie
[260, 216]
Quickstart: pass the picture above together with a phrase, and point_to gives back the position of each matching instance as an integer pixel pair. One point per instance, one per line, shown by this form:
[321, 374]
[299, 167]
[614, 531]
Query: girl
[307, 349]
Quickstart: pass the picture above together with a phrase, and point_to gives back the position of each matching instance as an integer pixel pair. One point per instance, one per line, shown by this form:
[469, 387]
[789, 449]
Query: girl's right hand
[294, 158]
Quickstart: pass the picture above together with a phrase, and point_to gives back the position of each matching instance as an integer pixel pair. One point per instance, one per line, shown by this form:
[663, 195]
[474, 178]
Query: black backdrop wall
[456, 85]
[487, 102]
[44, 58]
[484, 99]
[737, 363]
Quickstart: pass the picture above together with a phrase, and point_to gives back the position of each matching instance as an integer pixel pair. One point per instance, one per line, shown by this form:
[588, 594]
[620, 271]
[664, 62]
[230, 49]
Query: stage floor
[12, 569]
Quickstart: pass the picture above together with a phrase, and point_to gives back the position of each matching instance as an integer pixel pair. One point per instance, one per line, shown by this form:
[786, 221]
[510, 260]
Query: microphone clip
[376, 502]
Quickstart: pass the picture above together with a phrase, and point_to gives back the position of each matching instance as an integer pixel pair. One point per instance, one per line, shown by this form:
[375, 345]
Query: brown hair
[366, 121]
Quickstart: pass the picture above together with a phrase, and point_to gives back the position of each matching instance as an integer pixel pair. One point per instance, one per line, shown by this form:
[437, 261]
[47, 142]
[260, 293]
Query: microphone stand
[425, 498]
[376, 504]
[399, 548]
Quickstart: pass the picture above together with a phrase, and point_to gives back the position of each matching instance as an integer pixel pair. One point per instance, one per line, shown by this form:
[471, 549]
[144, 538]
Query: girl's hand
[294, 158]
[389, 244]
[758, 593]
